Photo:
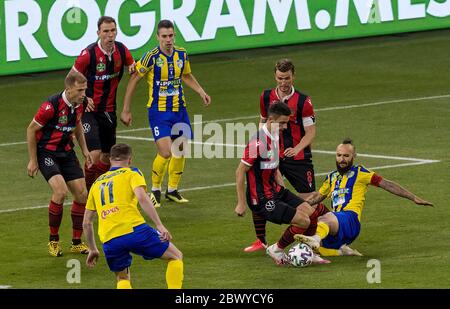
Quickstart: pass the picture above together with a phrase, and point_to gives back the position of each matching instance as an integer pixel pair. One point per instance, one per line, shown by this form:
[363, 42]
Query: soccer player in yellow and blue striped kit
[121, 227]
[347, 187]
[165, 68]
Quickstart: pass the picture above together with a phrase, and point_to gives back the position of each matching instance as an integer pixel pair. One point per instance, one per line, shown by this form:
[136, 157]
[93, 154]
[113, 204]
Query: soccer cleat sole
[174, 199]
[308, 241]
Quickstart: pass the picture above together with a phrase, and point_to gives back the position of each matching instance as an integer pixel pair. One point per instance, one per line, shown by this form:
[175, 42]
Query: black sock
[76, 242]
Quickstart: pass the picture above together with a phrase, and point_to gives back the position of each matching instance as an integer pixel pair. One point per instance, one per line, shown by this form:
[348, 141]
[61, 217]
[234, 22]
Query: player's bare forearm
[316, 198]
[279, 178]
[398, 190]
[240, 182]
[240, 189]
[88, 229]
[310, 134]
[192, 83]
[146, 205]
[131, 87]
[79, 134]
[31, 140]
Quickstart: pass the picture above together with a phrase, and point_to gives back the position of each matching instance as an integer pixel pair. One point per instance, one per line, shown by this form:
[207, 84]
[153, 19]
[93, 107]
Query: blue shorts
[349, 228]
[173, 124]
[143, 241]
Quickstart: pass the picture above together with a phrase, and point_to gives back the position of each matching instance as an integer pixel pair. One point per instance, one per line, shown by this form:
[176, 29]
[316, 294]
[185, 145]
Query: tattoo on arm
[316, 198]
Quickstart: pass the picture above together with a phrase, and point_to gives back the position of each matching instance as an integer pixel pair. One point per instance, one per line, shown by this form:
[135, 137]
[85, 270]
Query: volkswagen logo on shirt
[270, 205]
[49, 162]
[86, 127]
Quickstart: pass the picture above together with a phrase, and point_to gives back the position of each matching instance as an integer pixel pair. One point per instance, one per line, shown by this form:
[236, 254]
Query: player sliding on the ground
[347, 187]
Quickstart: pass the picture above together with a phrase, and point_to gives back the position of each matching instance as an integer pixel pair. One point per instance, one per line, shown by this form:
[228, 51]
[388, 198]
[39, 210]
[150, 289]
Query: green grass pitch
[407, 74]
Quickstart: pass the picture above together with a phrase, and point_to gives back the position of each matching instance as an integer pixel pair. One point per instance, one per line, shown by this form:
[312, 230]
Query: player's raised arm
[126, 117]
[398, 190]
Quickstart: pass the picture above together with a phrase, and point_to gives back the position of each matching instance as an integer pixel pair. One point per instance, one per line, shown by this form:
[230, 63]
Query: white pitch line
[5, 286]
[317, 110]
[314, 151]
[229, 184]
[12, 144]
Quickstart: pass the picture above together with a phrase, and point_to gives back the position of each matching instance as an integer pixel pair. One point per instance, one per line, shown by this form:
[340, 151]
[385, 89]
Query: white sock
[156, 189]
[171, 189]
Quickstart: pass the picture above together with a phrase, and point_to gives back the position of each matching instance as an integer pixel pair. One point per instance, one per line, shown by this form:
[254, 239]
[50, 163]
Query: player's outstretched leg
[346, 250]
[309, 240]
[277, 254]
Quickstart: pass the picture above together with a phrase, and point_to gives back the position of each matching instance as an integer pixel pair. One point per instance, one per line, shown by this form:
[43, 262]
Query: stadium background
[389, 93]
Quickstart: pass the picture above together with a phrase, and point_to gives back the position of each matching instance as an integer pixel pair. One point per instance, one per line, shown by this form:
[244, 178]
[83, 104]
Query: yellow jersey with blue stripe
[348, 191]
[112, 197]
[164, 77]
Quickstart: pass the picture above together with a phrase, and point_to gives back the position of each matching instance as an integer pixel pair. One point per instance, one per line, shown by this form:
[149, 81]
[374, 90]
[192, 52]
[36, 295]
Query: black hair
[165, 23]
[279, 109]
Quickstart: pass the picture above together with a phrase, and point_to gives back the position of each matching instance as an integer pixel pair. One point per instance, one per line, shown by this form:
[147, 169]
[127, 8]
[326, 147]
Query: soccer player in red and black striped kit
[266, 195]
[102, 63]
[295, 142]
[50, 148]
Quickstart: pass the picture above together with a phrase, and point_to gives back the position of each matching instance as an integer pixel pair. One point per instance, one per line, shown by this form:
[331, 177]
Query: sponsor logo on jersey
[159, 62]
[101, 67]
[107, 212]
[62, 119]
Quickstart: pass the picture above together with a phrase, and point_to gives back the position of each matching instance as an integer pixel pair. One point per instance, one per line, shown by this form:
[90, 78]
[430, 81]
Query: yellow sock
[322, 230]
[176, 168]
[159, 170]
[123, 284]
[174, 274]
[328, 252]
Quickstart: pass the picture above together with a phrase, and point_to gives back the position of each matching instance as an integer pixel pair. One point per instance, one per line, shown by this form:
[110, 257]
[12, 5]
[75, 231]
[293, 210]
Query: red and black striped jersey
[302, 108]
[58, 119]
[103, 73]
[261, 154]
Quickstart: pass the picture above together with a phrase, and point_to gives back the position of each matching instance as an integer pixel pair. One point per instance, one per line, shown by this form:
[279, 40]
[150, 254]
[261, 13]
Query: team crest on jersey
[159, 62]
[62, 119]
[350, 174]
[49, 162]
[179, 63]
[142, 70]
[101, 67]
[270, 205]
[86, 127]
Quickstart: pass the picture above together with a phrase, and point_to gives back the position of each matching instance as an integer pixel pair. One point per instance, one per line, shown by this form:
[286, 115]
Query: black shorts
[279, 210]
[100, 130]
[299, 173]
[54, 163]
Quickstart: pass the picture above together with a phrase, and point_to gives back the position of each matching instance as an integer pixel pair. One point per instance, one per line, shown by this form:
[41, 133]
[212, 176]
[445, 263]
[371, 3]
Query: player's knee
[166, 154]
[59, 195]
[82, 195]
[301, 219]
